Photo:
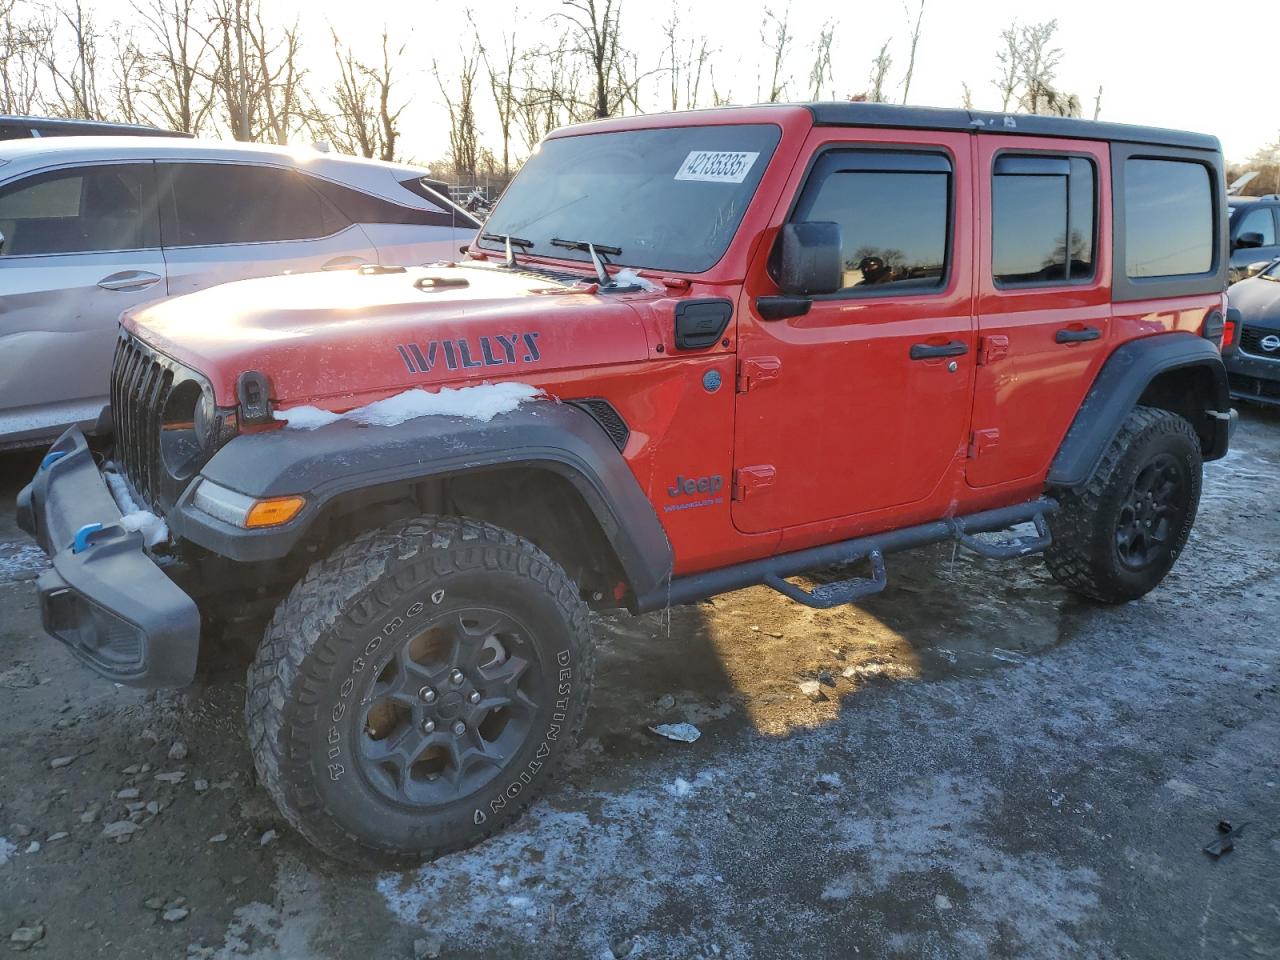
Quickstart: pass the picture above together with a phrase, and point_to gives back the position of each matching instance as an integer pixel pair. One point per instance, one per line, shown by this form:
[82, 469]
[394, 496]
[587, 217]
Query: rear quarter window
[1169, 222]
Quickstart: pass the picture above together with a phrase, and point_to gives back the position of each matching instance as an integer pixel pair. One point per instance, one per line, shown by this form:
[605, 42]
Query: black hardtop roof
[850, 114]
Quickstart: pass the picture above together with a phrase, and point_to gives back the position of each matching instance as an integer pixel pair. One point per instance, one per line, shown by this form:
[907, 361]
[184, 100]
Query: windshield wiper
[508, 241]
[595, 250]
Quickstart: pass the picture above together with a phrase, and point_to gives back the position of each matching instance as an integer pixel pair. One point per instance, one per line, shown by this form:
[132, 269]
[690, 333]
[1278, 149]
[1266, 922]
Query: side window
[80, 210]
[220, 203]
[894, 216]
[360, 207]
[1044, 214]
[1169, 224]
[1262, 223]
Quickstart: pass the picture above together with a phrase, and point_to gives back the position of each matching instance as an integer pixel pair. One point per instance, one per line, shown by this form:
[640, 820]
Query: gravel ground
[995, 770]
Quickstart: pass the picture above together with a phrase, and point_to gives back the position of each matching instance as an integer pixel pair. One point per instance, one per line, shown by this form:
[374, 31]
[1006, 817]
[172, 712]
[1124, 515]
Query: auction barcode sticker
[719, 166]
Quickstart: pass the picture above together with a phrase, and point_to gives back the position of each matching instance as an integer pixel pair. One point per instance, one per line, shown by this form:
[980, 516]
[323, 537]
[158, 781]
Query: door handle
[344, 263]
[129, 280]
[1080, 335]
[930, 351]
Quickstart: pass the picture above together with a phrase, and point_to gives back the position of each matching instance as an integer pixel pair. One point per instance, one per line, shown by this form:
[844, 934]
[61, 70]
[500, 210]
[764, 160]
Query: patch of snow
[482, 402]
[830, 780]
[20, 560]
[7, 850]
[153, 529]
[628, 277]
[681, 732]
[681, 788]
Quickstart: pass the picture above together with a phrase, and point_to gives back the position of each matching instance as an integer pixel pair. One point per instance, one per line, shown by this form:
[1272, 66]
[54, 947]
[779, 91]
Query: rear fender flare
[1119, 387]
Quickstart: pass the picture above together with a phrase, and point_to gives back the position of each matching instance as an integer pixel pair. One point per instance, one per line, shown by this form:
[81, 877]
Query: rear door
[861, 402]
[232, 221]
[81, 245]
[1044, 298]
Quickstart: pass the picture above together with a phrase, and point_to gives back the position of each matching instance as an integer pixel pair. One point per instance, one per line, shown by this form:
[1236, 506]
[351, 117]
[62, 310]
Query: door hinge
[747, 479]
[756, 370]
[992, 348]
[983, 440]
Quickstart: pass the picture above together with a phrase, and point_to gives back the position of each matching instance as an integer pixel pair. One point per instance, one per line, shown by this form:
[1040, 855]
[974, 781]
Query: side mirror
[811, 258]
[1248, 241]
[1, 241]
[1253, 269]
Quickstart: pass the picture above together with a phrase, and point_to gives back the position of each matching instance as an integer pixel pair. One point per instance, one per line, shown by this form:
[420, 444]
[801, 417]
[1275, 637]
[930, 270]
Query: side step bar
[774, 571]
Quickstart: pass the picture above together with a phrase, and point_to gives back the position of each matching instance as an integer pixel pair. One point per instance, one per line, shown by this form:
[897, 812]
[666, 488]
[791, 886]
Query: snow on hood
[482, 402]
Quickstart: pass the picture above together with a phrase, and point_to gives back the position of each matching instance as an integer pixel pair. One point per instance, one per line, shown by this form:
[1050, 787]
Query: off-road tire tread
[278, 678]
[1070, 557]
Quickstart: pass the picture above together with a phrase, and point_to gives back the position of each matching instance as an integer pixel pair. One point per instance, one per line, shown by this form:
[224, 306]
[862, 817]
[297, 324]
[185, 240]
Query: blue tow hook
[52, 458]
[81, 541]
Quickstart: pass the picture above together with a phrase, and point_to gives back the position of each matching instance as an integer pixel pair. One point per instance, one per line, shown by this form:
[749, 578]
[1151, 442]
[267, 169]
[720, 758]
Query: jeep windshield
[669, 199]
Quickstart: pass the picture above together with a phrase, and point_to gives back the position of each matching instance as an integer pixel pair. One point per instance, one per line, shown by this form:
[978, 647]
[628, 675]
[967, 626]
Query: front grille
[1251, 343]
[140, 384]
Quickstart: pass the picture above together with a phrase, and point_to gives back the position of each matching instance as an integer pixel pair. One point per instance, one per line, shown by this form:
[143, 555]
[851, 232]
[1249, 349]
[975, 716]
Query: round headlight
[205, 421]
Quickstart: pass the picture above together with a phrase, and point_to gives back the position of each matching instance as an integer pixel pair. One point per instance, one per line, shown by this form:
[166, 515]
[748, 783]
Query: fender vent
[601, 411]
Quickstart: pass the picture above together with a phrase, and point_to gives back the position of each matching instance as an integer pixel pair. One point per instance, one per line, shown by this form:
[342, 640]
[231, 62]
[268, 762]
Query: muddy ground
[999, 771]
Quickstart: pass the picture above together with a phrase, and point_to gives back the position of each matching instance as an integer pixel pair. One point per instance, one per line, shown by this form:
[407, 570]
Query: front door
[862, 402]
[81, 245]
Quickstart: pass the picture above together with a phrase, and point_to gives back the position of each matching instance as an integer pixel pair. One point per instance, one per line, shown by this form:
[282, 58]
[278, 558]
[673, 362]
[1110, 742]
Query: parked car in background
[1252, 354]
[22, 128]
[1255, 232]
[90, 226]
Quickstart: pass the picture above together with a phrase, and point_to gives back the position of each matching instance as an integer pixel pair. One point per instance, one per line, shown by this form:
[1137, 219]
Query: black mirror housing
[1248, 241]
[811, 258]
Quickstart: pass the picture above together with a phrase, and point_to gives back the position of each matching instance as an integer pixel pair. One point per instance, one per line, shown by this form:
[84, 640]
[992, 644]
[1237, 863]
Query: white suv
[90, 226]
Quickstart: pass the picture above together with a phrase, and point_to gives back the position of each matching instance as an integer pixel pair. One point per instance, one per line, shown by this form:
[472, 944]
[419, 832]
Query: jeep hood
[343, 338]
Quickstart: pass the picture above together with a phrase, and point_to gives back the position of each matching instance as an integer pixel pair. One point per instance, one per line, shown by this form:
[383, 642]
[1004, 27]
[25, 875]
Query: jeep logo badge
[1270, 343]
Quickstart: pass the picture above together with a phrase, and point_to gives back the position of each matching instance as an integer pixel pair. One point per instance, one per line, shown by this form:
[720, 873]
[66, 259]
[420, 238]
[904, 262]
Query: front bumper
[1253, 378]
[104, 597]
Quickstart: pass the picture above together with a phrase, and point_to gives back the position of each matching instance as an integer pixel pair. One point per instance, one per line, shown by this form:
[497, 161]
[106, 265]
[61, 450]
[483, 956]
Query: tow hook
[82, 541]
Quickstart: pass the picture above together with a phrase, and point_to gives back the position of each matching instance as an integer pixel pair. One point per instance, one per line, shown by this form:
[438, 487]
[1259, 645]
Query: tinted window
[1261, 222]
[216, 203]
[670, 199]
[893, 222]
[82, 210]
[360, 207]
[1036, 203]
[1169, 226]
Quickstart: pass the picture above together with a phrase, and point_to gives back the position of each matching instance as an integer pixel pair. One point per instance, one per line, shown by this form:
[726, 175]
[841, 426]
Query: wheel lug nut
[459, 728]
[428, 726]
[427, 695]
[475, 696]
[455, 677]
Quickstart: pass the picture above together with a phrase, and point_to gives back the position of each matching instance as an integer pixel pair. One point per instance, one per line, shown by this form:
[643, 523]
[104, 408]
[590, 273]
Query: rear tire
[418, 688]
[1117, 538]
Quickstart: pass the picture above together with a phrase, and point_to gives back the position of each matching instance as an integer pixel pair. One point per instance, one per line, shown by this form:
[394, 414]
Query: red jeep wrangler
[688, 354]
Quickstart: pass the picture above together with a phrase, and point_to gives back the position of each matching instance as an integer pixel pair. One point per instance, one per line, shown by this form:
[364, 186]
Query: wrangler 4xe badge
[465, 354]
[706, 489]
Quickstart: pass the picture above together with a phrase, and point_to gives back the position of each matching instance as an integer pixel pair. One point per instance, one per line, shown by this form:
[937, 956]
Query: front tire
[418, 688]
[1117, 538]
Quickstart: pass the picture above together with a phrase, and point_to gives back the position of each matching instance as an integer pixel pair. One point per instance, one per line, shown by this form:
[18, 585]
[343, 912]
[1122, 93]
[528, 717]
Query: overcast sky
[1165, 64]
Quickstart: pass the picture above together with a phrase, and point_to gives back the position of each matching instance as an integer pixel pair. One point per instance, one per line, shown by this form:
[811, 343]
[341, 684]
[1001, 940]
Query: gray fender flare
[1116, 391]
[342, 457]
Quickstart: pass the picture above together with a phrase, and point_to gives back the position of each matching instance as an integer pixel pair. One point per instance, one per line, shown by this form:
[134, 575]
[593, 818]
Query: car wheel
[1117, 538]
[418, 689]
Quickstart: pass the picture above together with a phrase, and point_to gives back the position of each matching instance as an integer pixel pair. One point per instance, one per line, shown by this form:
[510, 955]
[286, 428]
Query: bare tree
[502, 75]
[464, 135]
[234, 76]
[73, 68]
[22, 41]
[879, 75]
[128, 72]
[596, 25]
[175, 64]
[915, 40]
[1040, 61]
[353, 126]
[1097, 103]
[966, 99]
[689, 61]
[1009, 57]
[257, 73]
[820, 72]
[775, 37]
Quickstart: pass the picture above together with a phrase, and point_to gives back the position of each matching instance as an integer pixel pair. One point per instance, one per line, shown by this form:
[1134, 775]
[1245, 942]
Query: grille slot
[140, 385]
[1251, 343]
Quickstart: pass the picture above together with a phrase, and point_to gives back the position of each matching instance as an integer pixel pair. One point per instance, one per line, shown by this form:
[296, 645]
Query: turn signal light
[273, 512]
